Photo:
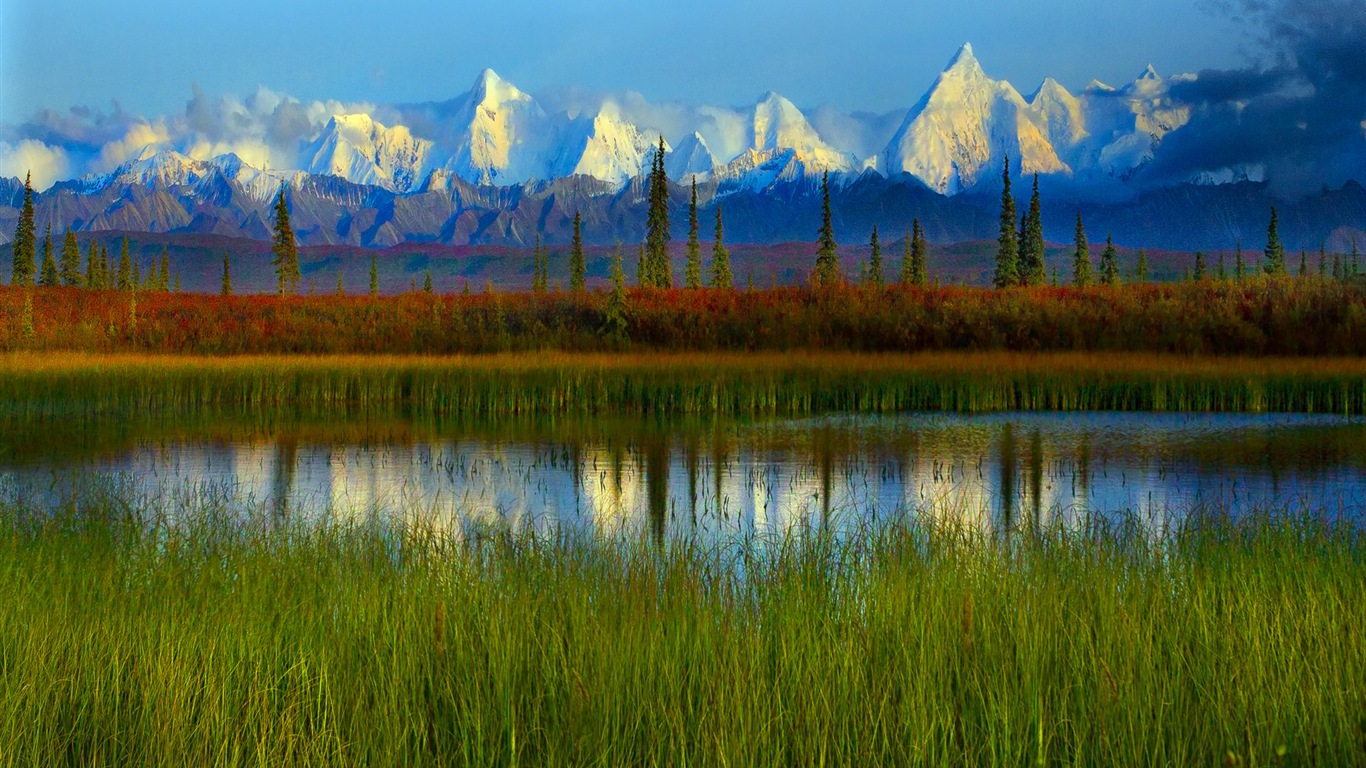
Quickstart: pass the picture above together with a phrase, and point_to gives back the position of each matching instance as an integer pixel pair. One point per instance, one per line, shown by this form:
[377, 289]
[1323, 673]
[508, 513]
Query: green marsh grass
[232, 640]
[685, 384]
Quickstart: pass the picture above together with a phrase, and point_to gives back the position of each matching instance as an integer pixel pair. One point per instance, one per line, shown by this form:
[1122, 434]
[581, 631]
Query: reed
[505, 386]
[234, 638]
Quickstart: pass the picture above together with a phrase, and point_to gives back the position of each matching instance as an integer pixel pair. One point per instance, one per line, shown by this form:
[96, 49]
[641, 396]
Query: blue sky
[857, 54]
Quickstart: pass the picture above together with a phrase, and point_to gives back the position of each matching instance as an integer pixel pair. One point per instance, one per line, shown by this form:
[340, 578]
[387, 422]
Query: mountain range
[495, 166]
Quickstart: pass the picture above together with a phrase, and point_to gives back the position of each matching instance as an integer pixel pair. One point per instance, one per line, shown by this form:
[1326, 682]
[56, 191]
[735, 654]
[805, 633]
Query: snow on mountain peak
[357, 148]
[963, 128]
[1149, 73]
[691, 158]
[606, 147]
[777, 125]
[964, 59]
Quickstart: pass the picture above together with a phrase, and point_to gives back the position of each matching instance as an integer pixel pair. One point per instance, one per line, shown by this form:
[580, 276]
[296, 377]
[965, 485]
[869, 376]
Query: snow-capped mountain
[955, 138]
[605, 147]
[691, 158]
[496, 130]
[962, 130]
[359, 149]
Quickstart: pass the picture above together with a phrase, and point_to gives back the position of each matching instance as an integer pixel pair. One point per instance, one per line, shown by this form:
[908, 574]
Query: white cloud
[127, 147]
[47, 164]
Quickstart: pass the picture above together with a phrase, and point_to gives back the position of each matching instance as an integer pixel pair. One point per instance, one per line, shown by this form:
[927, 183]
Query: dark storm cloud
[1299, 115]
[78, 128]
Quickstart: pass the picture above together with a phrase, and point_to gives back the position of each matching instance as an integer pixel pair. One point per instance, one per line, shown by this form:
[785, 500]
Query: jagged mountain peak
[964, 61]
[490, 89]
[1149, 73]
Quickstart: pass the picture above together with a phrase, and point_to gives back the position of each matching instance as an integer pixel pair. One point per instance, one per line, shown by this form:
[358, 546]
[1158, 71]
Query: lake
[717, 482]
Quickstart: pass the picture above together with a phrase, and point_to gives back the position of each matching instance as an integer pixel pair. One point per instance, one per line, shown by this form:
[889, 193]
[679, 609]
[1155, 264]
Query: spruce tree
[907, 262]
[427, 284]
[1337, 266]
[919, 256]
[1201, 272]
[875, 260]
[164, 279]
[1032, 243]
[374, 277]
[106, 268]
[578, 268]
[71, 260]
[341, 286]
[644, 271]
[1323, 259]
[1275, 252]
[1109, 264]
[1081, 256]
[50, 277]
[92, 266]
[1304, 264]
[1141, 268]
[1356, 259]
[227, 274]
[1239, 267]
[692, 274]
[284, 249]
[659, 273]
[24, 247]
[1008, 247]
[136, 280]
[125, 282]
[827, 272]
[1223, 270]
[721, 276]
[539, 279]
[614, 313]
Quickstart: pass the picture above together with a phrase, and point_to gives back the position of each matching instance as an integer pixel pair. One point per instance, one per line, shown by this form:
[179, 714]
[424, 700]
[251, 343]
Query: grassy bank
[548, 384]
[218, 643]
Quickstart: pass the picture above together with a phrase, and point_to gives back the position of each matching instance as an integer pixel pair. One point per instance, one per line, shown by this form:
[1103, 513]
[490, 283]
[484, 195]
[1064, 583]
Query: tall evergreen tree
[1109, 264]
[1356, 259]
[374, 277]
[1141, 267]
[1081, 257]
[92, 266]
[24, 247]
[919, 255]
[1239, 266]
[1008, 246]
[692, 273]
[578, 267]
[427, 284]
[615, 323]
[1201, 271]
[50, 277]
[659, 273]
[125, 282]
[907, 262]
[644, 270]
[1032, 243]
[1337, 266]
[721, 276]
[70, 266]
[284, 249]
[1275, 252]
[341, 286]
[164, 279]
[227, 275]
[136, 281]
[1304, 263]
[827, 271]
[1323, 259]
[1223, 271]
[540, 281]
[875, 260]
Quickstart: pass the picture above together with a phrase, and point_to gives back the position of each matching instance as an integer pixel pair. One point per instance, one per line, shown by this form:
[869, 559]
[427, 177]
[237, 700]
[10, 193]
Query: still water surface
[721, 482]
